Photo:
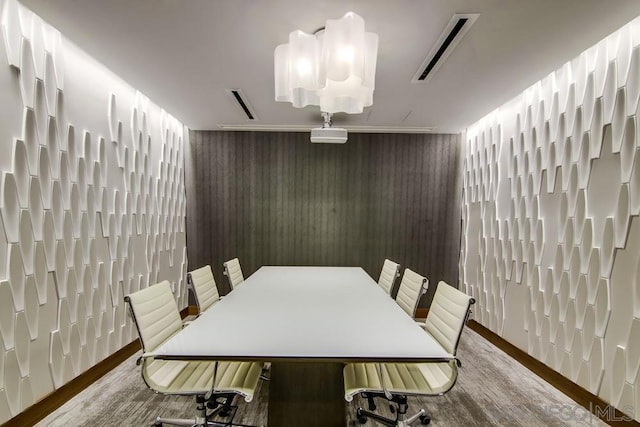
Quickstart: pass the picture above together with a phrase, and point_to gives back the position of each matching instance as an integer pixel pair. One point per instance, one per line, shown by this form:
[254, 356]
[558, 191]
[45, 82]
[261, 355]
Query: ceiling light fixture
[333, 68]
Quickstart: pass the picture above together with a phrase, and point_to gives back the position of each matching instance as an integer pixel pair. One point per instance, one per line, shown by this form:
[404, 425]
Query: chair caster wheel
[425, 419]
[224, 412]
[157, 424]
[362, 419]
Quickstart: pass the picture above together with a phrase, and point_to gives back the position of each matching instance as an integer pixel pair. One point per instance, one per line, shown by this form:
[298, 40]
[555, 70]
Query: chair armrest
[144, 356]
[384, 387]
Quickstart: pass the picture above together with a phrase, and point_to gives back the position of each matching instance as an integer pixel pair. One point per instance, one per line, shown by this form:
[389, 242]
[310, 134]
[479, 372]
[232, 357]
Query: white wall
[551, 239]
[92, 208]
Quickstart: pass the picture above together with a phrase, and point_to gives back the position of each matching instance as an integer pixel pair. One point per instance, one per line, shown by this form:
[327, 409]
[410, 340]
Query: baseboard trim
[588, 400]
[60, 396]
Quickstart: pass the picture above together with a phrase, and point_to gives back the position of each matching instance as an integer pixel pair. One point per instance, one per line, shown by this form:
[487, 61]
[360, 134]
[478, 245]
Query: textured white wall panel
[551, 232]
[92, 207]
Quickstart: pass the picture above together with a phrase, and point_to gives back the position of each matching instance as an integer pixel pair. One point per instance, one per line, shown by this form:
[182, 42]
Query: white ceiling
[184, 54]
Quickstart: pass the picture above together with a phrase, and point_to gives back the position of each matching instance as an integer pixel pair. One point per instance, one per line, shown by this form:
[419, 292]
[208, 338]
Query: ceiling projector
[329, 135]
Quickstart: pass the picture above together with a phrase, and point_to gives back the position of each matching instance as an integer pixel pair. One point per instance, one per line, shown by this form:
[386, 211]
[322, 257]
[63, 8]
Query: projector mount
[327, 120]
[327, 133]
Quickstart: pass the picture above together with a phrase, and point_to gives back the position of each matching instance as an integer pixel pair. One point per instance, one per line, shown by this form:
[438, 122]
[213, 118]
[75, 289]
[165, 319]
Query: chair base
[186, 422]
[202, 417]
[421, 416]
[401, 419]
[190, 422]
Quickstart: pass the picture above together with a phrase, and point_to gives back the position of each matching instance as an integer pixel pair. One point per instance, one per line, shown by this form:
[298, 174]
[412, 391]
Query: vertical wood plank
[277, 199]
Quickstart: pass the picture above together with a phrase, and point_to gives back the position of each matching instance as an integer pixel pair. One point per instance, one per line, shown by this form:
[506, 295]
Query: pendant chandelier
[333, 68]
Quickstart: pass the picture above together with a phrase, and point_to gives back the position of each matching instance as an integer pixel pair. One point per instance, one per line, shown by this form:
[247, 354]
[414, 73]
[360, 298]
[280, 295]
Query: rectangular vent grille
[242, 103]
[450, 37]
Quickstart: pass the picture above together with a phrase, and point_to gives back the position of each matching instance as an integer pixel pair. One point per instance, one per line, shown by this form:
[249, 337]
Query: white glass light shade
[351, 92]
[343, 49]
[303, 53]
[296, 70]
[284, 77]
[334, 69]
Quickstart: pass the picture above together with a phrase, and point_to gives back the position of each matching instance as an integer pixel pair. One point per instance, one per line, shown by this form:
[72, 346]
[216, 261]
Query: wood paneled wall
[277, 199]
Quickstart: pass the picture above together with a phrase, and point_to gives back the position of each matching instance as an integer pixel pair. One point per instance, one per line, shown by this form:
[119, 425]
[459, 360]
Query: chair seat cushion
[399, 378]
[194, 377]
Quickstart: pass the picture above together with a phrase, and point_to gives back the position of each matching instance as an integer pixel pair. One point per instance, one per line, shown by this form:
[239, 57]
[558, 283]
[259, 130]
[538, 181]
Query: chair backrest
[233, 272]
[390, 271]
[447, 315]
[412, 287]
[155, 313]
[204, 287]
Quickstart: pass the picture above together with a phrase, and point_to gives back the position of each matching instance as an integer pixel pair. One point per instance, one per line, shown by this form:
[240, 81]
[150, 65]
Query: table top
[305, 313]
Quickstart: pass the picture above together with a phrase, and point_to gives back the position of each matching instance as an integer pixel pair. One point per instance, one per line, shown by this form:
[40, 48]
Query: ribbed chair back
[412, 287]
[204, 287]
[447, 316]
[155, 313]
[390, 271]
[233, 272]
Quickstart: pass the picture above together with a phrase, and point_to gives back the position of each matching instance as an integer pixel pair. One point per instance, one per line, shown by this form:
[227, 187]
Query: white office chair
[233, 272]
[411, 289]
[204, 287]
[157, 319]
[395, 381]
[390, 272]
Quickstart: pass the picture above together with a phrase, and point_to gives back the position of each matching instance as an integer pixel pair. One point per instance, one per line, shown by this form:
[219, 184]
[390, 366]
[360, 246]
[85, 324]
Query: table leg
[306, 394]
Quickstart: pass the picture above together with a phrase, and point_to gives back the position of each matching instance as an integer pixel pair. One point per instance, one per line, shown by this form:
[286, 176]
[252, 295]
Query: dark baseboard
[60, 396]
[588, 400]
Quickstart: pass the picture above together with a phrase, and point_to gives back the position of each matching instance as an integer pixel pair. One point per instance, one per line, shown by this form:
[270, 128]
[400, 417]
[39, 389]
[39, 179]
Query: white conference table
[323, 316]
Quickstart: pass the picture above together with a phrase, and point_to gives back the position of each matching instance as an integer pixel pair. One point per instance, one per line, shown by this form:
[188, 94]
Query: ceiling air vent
[241, 102]
[450, 37]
